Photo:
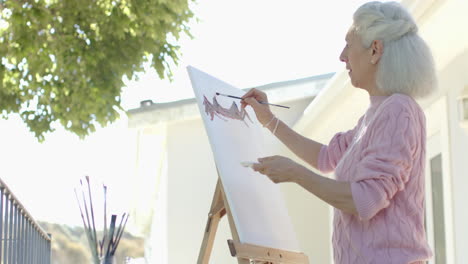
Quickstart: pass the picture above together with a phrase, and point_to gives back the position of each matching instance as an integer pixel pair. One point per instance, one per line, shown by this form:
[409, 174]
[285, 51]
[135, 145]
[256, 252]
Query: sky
[245, 43]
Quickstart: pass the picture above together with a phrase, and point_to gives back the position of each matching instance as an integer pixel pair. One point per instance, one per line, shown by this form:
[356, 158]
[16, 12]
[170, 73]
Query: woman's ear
[377, 51]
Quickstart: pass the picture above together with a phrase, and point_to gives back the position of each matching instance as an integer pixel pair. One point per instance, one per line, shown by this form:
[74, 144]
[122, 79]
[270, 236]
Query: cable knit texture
[383, 158]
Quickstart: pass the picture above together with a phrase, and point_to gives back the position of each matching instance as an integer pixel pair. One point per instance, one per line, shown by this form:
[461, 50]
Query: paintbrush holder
[108, 260]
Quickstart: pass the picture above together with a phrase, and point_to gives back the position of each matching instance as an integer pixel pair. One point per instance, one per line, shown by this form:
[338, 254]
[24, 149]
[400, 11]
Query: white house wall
[191, 182]
[444, 28]
[148, 191]
[453, 79]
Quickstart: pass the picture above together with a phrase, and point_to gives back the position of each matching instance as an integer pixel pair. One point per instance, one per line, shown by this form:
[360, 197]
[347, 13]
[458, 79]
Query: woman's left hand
[277, 168]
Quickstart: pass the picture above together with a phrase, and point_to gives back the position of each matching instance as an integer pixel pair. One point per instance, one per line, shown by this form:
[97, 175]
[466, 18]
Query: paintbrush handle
[260, 102]
[111, 235]
[232, 96]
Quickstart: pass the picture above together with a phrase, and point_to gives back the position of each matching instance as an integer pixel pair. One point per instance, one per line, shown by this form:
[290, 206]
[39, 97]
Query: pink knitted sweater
[383, 158]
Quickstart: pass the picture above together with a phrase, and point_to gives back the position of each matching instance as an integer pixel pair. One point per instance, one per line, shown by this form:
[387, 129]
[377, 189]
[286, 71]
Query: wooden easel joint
[217, 214]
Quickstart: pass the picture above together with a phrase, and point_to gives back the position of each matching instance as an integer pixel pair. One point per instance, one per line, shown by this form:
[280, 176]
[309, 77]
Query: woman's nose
[343, 58]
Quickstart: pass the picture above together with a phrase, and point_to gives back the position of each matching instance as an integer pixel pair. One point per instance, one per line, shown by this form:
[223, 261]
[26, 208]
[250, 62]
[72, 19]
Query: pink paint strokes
[215, 109]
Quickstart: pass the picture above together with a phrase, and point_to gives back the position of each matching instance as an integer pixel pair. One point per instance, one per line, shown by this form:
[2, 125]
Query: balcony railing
[23, 240]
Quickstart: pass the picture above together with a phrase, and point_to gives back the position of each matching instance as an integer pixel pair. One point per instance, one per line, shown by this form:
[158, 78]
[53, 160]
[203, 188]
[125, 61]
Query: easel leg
[232, 225]
[216, 212]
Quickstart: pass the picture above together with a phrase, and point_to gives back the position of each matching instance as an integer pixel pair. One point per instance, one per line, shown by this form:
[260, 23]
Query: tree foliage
[64, 60]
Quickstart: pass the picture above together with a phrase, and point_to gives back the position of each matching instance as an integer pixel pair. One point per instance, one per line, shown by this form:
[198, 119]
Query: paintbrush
[261, 102]
[104, 238]
[111, 235]
[88, 235]
[119, 235]
[93, 244]
[92, 212]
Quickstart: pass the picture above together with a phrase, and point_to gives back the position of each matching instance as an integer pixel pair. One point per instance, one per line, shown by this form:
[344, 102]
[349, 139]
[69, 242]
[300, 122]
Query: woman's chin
[356, 84]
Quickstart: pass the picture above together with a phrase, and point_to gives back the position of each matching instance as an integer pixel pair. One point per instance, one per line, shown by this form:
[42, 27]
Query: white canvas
[257, 204]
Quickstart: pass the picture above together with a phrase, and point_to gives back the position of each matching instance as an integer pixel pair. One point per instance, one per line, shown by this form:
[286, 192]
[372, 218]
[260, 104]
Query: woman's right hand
[262, 111]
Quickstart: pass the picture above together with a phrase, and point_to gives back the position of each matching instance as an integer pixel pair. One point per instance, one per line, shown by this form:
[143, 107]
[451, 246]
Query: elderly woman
[378, 193]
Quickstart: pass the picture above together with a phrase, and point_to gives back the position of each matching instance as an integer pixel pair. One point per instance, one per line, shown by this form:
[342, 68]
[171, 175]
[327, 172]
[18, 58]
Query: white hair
[406, 65]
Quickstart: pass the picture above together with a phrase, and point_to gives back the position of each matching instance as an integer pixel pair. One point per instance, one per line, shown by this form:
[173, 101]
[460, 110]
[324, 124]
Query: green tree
[64, 60]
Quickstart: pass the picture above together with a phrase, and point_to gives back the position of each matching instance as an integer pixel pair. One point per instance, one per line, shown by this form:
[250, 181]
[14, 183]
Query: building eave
[278, 92]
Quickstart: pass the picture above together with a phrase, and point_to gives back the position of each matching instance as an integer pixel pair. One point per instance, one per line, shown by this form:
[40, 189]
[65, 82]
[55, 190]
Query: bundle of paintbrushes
[102, 250]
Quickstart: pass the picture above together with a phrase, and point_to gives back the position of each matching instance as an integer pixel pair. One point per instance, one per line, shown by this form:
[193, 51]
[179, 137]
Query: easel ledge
[265, 254]
[245, 253]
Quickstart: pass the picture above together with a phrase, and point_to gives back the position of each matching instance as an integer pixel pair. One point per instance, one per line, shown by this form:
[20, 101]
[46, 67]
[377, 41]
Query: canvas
[235, 135]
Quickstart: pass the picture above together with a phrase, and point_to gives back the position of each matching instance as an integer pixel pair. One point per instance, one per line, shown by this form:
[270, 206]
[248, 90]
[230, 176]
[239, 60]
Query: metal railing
[23, 241]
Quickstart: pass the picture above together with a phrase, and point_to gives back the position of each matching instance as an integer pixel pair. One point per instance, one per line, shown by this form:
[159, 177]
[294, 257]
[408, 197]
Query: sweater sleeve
[332, 153]
[387, 161]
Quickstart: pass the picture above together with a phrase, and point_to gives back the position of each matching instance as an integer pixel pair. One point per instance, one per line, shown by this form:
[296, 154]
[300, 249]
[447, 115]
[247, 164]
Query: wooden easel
[245, 253]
